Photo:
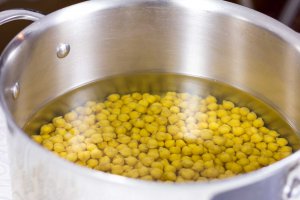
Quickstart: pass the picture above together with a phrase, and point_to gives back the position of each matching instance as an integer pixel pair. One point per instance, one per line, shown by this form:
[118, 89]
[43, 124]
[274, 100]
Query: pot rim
[89, 7]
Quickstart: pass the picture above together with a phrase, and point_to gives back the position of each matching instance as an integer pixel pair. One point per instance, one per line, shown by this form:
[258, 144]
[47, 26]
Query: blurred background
[287, 11]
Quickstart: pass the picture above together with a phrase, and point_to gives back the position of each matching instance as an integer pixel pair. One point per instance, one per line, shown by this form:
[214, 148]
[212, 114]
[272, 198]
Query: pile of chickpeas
[174, 137]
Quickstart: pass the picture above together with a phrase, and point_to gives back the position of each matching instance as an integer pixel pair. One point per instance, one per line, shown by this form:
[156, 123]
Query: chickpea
[173, 137]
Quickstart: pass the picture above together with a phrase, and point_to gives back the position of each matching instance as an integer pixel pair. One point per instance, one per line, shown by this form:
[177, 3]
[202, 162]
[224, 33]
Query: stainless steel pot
[97, 39]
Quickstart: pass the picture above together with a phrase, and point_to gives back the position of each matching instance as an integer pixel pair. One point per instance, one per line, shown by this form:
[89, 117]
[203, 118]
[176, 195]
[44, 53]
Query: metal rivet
[63, 50]
[15, 90]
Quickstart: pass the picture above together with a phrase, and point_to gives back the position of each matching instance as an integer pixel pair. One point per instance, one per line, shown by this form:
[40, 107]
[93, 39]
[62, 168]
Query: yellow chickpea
[187, 174]
[173, 137]
[92, 163]
[210, 173]
[156, 173]
[84, 155]
[71, 157]
[131, 161]
[46, 129]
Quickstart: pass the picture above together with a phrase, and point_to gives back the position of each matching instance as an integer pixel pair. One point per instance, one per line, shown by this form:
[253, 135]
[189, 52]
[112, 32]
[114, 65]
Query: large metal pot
[97, 39]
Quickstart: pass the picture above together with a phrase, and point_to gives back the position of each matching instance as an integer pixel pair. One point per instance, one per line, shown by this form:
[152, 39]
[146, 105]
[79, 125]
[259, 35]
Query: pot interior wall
[218, 44]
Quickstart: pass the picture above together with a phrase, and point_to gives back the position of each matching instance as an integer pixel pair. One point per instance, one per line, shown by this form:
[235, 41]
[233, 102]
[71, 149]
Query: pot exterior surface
[98, 39]
[45, 178]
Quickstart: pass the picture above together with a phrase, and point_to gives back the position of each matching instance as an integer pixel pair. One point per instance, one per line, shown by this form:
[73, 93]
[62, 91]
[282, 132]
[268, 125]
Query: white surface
[5, 188]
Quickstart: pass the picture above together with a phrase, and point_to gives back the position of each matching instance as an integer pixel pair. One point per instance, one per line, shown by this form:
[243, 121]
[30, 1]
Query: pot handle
[19, 14]
[291, 191]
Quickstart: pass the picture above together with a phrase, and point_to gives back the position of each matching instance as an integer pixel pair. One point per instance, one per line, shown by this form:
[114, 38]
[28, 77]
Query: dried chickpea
[173, 137]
